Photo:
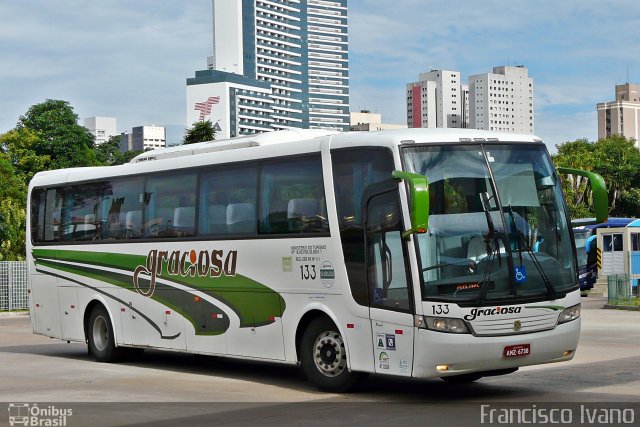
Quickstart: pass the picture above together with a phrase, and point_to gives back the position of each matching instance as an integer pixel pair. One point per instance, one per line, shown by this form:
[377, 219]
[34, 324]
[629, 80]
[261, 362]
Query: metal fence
[623, 290]
[13, 285]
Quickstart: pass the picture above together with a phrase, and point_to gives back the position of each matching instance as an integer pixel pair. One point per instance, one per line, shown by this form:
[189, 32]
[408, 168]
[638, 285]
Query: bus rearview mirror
[598, 190]
[418, 201]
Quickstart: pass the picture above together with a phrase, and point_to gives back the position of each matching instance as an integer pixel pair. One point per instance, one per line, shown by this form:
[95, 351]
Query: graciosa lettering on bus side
[176, 263]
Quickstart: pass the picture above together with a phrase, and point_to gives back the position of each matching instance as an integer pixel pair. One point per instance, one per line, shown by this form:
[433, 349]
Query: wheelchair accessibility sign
[520, 274]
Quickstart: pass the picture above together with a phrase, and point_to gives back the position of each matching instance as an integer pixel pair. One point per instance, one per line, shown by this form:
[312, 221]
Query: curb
[14, 313]
[622, 307]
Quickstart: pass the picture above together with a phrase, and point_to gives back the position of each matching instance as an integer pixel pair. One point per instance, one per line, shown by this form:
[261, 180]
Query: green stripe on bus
[254, 303]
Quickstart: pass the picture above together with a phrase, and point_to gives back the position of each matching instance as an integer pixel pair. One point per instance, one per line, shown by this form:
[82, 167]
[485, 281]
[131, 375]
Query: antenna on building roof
[627, 73]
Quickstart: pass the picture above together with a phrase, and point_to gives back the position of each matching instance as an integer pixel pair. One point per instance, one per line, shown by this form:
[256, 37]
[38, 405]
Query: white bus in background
[405, 253]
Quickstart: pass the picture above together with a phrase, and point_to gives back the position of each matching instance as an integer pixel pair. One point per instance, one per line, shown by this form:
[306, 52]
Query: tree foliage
[59, 135]
[616, 159]
[13, 193]
[18, 146]
[200, 132]
[46, 137]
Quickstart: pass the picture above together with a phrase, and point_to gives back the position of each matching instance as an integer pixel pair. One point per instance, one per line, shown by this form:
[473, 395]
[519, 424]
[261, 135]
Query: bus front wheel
[100, 336]
[324, 357]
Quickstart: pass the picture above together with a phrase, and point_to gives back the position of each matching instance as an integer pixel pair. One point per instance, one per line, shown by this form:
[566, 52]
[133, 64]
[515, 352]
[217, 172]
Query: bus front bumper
[441, 354]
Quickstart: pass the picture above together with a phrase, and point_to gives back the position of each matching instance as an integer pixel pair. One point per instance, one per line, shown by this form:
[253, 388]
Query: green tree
[60, 136]
[108, 153]
[618, 161]
[628, 204]
[579, 154]
[18, 147]
[200, 132]
[12, 230]
[13, 195]
[128, 155]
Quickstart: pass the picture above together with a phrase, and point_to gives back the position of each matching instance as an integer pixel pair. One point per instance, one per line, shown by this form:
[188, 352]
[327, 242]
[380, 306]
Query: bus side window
[170, 198]
[292, 196]
[37, 215]
[227, 199]
[121, 208]
[79, 213]
[53, 213]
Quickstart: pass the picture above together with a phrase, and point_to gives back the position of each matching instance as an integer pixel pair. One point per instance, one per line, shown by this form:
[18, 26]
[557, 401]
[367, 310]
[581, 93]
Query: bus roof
[611, 222]
[271, 144]
[394, 136]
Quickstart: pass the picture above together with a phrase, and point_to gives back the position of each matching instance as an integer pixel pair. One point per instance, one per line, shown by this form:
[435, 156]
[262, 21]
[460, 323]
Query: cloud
[575, 51]
[130, 59]
[125, 59]
[557, 128]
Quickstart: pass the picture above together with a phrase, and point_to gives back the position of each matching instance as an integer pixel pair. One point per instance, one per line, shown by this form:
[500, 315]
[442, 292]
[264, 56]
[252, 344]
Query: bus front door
[390, 298]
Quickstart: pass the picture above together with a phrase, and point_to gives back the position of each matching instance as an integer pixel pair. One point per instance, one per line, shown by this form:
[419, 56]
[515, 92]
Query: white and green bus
[416, 253]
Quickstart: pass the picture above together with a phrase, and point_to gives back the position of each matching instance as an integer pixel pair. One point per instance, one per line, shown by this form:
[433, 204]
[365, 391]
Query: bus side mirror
[418, 201]
[598, 189]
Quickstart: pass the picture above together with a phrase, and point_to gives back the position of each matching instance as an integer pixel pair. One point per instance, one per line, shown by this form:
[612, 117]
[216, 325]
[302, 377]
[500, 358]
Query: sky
[130, 59]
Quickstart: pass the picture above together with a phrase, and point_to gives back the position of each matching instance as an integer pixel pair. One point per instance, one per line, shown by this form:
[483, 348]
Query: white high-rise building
[436, 100]
[143, 138]
[102, 128]
[276, 64]
[502, 100]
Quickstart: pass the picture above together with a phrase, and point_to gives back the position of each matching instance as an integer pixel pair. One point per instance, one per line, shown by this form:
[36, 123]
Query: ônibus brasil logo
[479, 312]
[213, 263]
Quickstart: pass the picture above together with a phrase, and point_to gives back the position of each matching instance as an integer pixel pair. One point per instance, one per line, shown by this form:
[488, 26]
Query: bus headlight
[569, 314]
[446, 324]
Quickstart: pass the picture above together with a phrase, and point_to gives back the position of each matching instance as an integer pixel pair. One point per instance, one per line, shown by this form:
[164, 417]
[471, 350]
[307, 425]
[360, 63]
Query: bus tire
[324, 357]
[102, 345]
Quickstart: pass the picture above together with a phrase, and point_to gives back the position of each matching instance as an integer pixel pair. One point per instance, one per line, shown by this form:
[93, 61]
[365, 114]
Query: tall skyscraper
[502, 100]
[622, 116]
[276, 64]
[437, 99]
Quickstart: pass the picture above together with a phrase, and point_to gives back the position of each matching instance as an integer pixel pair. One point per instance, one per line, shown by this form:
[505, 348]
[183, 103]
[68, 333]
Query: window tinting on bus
[170, 209]
[354, 170]
[224, 200]
[79, 213]
[227, 201]
[293, 198]
[37, 215]
[121, 208]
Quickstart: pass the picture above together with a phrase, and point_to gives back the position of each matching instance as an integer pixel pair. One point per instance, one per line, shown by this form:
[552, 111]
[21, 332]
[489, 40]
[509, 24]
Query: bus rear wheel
[324, 357]
[102, 345]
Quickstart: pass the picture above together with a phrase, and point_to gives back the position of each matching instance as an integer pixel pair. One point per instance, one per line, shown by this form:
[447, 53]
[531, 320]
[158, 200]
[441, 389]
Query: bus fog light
[442, 368]
[567, 353]
[569, 314]
[445, 324]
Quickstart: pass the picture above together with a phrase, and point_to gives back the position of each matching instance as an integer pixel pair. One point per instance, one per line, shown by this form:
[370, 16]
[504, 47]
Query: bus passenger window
[293, 197]
[79, 213]
[227, 201]
[121, 208]
[170, 198]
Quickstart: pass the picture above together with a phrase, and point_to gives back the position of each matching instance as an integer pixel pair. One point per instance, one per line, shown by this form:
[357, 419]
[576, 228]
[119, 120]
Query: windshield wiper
[520, 238]
[493, 251]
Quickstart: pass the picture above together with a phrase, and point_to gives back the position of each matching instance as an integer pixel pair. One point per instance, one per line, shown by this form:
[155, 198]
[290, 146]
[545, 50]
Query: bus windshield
[498, 232]
[580, 237]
